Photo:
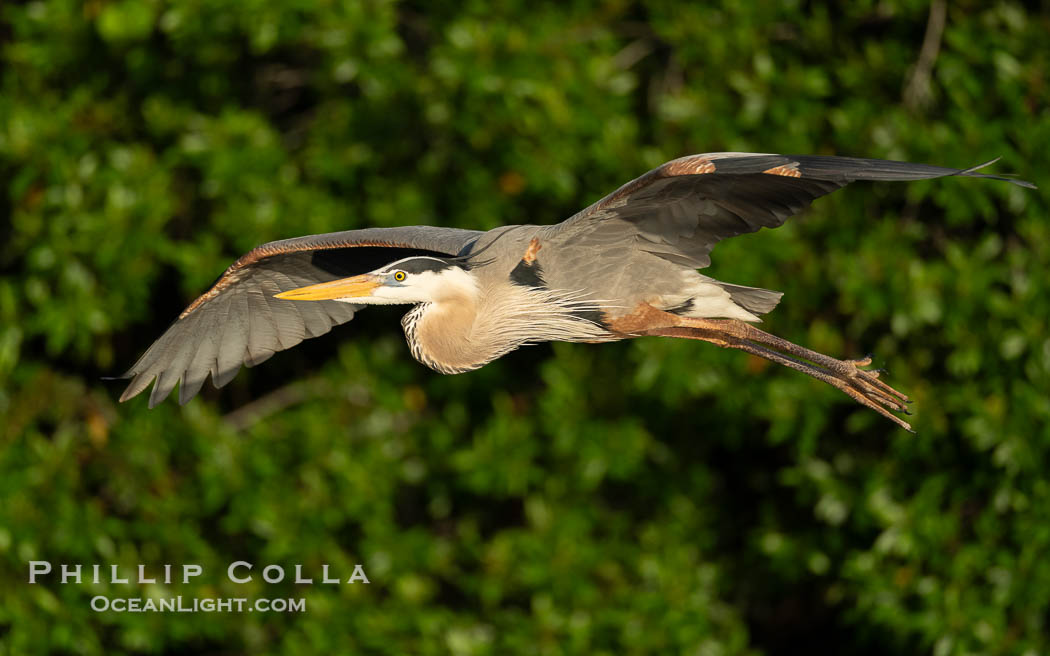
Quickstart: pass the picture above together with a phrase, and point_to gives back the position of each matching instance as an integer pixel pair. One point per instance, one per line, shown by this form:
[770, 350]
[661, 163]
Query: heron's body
[624, 267]
[562, 293]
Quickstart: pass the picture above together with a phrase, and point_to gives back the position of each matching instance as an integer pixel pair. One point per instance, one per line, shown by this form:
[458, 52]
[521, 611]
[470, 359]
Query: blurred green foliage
[658, 496]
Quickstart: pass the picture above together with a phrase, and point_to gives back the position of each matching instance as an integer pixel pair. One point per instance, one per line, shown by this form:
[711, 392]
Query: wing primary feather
[178, 356]
[162, 388]
[287, 329]
[234, 341]
[856, 168]
[138, 383]
[263, 332]
[200, 365]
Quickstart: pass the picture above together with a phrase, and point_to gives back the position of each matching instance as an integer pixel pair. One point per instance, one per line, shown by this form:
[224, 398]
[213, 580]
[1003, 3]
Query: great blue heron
[624, 267]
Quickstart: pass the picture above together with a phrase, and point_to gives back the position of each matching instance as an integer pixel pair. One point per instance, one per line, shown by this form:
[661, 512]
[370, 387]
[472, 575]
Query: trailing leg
[862, 385]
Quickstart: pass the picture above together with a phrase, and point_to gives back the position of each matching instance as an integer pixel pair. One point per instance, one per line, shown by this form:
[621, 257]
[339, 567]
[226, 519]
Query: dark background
[658, 496]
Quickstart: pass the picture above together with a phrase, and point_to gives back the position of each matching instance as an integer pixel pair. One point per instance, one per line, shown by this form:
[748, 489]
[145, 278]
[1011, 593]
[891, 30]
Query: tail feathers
[752, 299]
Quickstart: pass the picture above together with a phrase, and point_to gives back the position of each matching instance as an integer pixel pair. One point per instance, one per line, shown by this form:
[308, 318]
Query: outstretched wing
[686, 206]
[238, 321]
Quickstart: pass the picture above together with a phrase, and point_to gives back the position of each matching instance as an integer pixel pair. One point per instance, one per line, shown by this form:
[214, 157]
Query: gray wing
[238, 321]
[680, 210]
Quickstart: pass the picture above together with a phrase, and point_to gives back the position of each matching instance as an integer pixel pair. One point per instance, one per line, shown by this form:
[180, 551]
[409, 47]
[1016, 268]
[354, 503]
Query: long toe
[865, 387]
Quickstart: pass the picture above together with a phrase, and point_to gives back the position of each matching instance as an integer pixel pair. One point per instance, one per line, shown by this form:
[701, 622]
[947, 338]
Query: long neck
[464, 332]
[439, 335]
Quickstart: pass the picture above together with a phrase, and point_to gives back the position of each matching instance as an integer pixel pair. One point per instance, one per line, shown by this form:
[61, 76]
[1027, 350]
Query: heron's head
[419, 279]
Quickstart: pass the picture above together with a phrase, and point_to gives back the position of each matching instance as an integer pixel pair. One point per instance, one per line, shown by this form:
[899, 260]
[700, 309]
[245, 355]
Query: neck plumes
[470, 327]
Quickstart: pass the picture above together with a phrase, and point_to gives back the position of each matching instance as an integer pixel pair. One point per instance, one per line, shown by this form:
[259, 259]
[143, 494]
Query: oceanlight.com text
[182, 604]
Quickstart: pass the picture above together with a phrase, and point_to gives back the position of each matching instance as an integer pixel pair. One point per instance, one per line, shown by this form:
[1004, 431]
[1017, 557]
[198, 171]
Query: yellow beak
[355, 287]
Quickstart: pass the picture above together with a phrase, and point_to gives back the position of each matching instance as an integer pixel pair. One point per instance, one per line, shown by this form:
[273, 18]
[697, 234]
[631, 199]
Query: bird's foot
[864, 386]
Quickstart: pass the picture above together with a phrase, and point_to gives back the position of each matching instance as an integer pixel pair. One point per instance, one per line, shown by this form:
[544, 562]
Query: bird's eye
[399, 276]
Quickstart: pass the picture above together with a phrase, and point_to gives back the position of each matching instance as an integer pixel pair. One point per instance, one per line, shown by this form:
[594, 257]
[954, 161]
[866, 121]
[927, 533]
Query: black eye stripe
[419, 265]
